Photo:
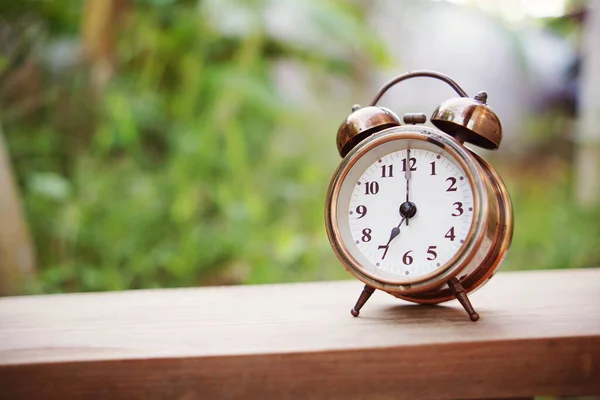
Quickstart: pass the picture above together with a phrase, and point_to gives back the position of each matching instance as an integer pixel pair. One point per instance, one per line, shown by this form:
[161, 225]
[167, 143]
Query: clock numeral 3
[432, 253]
[407, 258]
[366, 235]
[387, 171]
[450, 234]
[458, 210]
[452, 187]
[371, 187]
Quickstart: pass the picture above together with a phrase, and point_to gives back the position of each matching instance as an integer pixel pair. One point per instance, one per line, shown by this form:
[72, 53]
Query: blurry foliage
[551, 230]
[171, 174]
[185, 168]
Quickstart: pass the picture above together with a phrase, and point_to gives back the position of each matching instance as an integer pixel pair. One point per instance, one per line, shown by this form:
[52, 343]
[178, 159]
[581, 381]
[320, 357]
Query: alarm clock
[411, 210]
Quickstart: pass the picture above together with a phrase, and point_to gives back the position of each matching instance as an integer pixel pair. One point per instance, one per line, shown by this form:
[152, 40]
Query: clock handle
[466, 119]
[416, 74]
[362, 299]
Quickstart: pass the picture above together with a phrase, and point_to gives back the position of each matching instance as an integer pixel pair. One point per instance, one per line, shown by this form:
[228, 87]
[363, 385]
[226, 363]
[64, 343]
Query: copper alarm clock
[411, 210]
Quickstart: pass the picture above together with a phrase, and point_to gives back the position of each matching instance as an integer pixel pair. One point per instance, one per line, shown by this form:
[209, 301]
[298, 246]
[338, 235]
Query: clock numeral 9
[432, 253]
[362, 210]
[458, 210]
[412, 161]
[452, 187]
[407, 258]
[371, 187]
[366, 235]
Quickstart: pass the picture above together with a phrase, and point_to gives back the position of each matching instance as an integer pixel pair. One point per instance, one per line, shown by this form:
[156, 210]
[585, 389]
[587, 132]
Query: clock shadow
[423, 314]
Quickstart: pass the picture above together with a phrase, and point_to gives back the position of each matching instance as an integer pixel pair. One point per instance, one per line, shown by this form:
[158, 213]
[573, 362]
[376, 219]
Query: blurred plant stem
[17, 261]
[100, 26]
[587, 162]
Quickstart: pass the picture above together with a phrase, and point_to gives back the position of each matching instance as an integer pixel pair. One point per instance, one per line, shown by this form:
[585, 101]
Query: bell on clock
[411, 210]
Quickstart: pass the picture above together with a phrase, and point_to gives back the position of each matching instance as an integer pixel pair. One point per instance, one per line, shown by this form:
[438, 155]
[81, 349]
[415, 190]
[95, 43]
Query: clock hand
[407, 176]
[395, 232]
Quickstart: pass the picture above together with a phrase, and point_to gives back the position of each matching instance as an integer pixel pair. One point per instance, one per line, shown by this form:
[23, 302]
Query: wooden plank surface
[539, 334]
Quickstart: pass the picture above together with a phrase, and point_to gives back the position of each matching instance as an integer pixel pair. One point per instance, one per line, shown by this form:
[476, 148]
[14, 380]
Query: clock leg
[458, 290]
[362, 299]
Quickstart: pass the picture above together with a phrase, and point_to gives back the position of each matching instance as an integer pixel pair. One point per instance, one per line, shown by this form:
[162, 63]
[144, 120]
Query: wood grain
[539, 334]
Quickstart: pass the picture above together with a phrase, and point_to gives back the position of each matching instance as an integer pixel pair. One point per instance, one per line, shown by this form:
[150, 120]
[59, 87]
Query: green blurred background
[155, 143]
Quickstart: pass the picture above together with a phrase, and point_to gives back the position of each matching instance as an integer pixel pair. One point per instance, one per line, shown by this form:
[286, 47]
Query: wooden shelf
[539, 334]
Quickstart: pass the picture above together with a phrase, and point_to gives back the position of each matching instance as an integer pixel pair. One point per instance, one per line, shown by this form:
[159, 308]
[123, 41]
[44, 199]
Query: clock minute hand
[407, 176]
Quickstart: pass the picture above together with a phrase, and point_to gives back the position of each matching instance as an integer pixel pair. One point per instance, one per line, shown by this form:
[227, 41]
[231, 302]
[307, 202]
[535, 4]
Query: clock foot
[362, 299]
[458, 291]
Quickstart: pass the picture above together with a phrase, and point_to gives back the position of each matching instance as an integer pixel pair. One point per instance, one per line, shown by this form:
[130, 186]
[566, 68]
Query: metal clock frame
[490, 234]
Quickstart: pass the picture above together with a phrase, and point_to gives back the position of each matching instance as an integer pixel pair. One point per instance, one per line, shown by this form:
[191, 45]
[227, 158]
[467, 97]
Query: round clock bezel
[463, 256]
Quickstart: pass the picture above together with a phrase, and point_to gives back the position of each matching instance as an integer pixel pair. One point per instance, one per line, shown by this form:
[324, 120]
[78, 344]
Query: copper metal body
[361, 124]
[459, 120]
[470, 119]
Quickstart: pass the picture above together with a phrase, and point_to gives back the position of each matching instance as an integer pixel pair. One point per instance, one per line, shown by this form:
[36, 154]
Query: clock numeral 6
[366, 235]
[371, 187]
[407, 258]
[432, 253]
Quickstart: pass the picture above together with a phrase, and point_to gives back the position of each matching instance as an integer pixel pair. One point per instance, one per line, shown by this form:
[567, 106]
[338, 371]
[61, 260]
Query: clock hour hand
[395, 232]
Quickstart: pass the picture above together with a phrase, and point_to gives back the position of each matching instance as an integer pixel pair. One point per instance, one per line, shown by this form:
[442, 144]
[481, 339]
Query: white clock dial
[438, 188]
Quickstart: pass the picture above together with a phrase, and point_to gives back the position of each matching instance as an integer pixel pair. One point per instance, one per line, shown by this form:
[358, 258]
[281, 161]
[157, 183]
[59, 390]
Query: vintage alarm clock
[412, 211]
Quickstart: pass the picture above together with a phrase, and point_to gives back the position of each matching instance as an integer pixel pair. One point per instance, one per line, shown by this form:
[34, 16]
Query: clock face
[405, 210]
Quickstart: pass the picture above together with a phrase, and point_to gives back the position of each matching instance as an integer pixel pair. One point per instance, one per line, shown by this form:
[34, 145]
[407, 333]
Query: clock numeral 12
[412, 161]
